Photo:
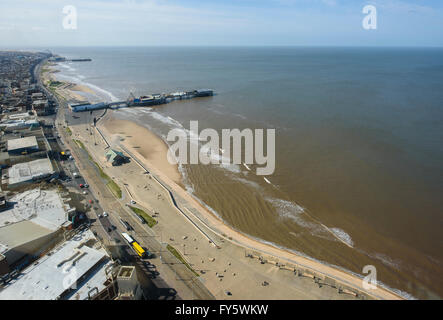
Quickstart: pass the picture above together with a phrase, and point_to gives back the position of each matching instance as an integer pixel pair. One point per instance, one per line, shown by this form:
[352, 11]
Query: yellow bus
[140, 251]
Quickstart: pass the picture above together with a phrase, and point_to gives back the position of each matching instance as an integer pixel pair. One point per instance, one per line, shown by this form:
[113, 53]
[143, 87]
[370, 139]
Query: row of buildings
[18, 90]
[47, 250]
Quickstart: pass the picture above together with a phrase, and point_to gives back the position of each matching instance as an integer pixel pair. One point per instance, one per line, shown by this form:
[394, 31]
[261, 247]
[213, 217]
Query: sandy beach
[151, 150]
[143, 143]
[226, 252]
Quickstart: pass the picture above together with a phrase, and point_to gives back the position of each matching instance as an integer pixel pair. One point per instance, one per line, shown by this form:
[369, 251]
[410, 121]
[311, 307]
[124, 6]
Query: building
[77, 107]
[3, 202]
[26, 144]
[28, 172]
[115, 157]
[37, 96]
[204, 92]
[21, 116]
[40, 107]
[69, 271]
[32, 224]
[24, 238]
[12, 125]
[128, 284]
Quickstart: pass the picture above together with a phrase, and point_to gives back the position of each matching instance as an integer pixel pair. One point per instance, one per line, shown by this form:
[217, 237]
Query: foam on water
[247, 182]
[386, 260]
[164, 119]
[101, 90]
[290, 210]
[79, 79]
[343, 236]
[67, 67]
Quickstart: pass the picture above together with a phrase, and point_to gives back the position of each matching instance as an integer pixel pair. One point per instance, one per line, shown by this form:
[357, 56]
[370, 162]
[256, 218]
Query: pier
[143, 101]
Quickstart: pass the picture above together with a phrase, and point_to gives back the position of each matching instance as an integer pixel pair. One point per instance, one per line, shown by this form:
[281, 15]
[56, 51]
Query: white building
[31, 224]
[32, 171]
[70, 271]
[26, 144]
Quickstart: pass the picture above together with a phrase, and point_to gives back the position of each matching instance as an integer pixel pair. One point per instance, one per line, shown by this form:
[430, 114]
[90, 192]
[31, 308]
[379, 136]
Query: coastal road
[185, 282]
[154, 287]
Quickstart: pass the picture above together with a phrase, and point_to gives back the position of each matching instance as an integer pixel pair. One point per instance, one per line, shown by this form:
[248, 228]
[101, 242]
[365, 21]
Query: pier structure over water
[149, 100]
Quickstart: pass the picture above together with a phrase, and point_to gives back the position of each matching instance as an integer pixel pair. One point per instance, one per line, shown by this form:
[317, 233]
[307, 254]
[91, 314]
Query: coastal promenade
[220, 236]
[176, 274]
[226, 260]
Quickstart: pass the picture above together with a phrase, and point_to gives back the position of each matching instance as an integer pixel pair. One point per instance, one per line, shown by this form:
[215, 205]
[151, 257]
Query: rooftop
[22, 143]
[51, 276]
[20, 233]
[42, 207]
[28, 171]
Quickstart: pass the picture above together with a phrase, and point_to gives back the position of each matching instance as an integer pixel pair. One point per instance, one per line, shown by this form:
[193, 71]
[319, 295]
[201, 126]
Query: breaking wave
[343, 236]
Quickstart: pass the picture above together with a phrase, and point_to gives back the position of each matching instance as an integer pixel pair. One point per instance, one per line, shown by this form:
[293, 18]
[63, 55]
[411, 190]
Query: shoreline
[229, 233]
[215, 223]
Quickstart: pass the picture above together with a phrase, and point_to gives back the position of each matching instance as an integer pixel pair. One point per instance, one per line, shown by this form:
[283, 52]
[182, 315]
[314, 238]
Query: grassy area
[149, 220]
[179, 257]
[115, 189]
[68, 130]
[109, 182]
[55, 83]
[80, 144]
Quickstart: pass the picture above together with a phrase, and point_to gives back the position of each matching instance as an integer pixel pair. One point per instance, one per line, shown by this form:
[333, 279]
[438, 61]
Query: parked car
[81, 185]
[105, 214]
[133, 202]
[86, 185]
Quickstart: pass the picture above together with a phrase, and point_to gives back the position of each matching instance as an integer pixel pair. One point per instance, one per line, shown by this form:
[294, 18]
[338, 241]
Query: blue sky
[227, 22]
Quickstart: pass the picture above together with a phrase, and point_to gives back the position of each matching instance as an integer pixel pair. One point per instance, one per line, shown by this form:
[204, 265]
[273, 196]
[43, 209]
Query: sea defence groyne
[148, 100]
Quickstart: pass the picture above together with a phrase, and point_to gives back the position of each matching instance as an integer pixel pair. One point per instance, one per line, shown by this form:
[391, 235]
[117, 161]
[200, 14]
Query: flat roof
[18, 116]
[50, 276]
[40, 101]
[19, 233]
[96, 279]
[43, 207]
[126, 272]
[22, 143]
[28, 171]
